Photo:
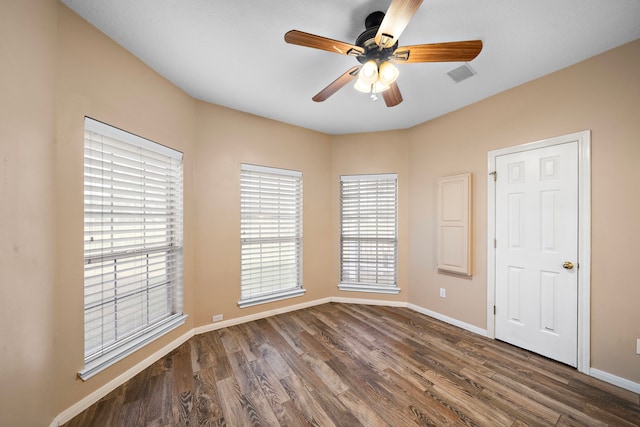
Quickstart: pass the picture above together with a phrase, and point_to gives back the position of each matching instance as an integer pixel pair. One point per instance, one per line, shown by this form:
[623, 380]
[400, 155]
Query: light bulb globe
[388, 73]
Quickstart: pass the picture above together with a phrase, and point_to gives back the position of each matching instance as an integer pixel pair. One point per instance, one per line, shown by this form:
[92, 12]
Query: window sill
[353, 287]
[248, 302]
[130, 346]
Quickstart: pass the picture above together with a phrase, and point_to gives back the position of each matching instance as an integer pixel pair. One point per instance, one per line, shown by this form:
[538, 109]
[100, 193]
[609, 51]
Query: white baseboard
[92, 398]
[363, 301]
[449, 320]
[69, 413]
[256, 316]
[98, 394]
[615, 380]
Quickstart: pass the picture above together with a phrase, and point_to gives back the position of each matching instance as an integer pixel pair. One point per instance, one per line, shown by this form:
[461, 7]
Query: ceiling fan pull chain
[374, 97]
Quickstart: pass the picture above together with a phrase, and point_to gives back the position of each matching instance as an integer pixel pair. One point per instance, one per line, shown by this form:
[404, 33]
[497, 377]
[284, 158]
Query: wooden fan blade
[337, 84]
[317, 42]
[392, 96]
[395, 21]
[439, 52]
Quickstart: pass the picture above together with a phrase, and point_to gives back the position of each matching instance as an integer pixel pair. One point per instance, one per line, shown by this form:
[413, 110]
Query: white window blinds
[271, 234]
[132, 243]
[368, 233]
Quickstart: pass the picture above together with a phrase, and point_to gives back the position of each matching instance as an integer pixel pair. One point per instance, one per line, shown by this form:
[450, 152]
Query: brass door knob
[568, 265]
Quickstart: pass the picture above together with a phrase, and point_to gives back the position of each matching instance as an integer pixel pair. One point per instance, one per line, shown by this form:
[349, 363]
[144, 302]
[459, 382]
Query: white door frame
[584, 237]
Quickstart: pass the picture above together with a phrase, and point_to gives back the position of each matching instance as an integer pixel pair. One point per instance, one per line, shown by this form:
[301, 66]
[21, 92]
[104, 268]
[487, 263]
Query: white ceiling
[232, 52]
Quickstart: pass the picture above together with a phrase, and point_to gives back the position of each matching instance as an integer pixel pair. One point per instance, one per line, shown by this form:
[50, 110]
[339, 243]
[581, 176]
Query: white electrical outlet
[638, 346]
[443, 293]
[217, 318]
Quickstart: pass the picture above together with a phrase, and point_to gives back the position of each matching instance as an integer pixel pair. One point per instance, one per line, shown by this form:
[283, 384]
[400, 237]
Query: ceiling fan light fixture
[360, 86]
[381, 87]
[388, 73]
[373, 79]
[375, 87]
[369, 72]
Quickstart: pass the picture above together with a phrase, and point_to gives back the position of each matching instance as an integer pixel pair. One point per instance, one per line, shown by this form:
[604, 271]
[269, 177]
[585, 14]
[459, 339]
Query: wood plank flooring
[358, 365]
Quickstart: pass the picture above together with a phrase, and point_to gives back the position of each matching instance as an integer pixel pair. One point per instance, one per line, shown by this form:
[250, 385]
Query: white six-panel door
[536, 293]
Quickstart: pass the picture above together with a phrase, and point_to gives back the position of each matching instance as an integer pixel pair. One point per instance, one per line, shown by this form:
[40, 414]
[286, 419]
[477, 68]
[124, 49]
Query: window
[271, 234]
[132, 244]
[368, 233]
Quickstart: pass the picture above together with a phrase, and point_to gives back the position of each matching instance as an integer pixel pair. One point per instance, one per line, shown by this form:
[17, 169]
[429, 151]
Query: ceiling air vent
[461, 73]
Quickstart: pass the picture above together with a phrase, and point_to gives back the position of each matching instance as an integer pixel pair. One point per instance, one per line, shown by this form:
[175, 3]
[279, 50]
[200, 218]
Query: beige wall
[227, 138]
[27, 266]
[97, 78]
[600, 94]
[371, 153]
[61, 69]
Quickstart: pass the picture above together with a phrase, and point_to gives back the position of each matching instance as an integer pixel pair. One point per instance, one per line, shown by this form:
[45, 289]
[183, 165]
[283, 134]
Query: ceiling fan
[377, 50]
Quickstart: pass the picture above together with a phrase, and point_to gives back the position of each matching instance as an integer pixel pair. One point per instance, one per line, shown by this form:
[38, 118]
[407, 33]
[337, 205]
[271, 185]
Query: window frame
[255, 277]
[161, 246]
[354, 233]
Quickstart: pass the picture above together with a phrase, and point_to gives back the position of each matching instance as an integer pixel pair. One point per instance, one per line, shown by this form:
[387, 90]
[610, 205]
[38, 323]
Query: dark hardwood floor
[357, 365]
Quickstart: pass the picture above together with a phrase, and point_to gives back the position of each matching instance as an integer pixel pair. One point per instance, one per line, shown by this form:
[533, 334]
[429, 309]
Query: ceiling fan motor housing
[366, 40]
